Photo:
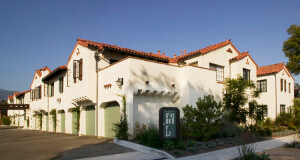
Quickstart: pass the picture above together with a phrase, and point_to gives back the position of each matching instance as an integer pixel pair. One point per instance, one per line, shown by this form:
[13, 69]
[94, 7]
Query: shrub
[201, 122]
[191, 143]
[168, 145]
[121, 128]
[247, 152]
[180, 145]
[284, 119]
[228, 129]
[5, 120]
[296, 112]
[149, 137]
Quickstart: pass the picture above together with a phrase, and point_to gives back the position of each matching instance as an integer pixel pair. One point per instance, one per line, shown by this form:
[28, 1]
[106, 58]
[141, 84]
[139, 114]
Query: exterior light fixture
[119, 82]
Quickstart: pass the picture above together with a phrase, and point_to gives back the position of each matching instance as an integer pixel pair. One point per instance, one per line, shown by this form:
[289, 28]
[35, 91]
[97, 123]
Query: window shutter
[80, 69]
[281, 85]
[31, 94]
[74, 71]
[284, 85]
[40, 92]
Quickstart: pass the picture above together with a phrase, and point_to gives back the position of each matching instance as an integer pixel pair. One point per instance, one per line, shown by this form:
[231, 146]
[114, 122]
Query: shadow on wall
[165, 80]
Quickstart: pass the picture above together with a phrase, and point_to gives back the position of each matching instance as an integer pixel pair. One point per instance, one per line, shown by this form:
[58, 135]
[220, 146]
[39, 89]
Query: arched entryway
[90, 121]
[111, 116]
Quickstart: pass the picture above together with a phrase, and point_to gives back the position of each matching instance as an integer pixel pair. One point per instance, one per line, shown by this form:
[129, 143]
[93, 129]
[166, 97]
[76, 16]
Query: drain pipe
[275, 95]
[97, 58]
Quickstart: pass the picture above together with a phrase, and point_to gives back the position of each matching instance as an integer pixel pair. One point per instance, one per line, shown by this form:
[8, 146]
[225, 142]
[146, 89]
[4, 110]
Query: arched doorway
[90, 121]
[111, 116]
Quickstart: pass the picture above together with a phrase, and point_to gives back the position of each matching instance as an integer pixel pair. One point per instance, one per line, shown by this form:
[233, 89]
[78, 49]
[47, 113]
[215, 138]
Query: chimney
[181, 52]
[184, 51]
[174, 55]
[163, 54]
[158, 52]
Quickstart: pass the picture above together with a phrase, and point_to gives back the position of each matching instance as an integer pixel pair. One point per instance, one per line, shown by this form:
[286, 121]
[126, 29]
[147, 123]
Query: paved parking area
[26, 144]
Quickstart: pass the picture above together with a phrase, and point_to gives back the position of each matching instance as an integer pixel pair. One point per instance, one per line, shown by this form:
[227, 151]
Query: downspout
[97, 58]
[275, 95]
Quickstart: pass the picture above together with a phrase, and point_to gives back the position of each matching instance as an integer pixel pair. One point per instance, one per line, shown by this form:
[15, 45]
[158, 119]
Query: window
[77, 69]
[51, 89]
[281, 85]
[61, 84]
[262, 85]
[37, 92]
[246, 74]
[265, 111]
[219, 71]
[46, 91]
[111, 61]
[32, 94]
[284, 85]
[282, 108]
[289, 87]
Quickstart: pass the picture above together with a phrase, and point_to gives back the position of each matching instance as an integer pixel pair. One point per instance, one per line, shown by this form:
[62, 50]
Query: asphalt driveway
[26, 144]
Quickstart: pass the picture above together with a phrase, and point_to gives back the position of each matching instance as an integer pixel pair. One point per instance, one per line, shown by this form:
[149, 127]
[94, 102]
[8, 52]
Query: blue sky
[34, 34]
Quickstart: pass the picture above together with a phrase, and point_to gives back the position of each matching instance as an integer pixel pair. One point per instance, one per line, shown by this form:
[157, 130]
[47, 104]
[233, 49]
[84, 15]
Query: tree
[3, 102]
[297, 85]
[121, 128]
[202, 122]
[235, 98]
[291, 49]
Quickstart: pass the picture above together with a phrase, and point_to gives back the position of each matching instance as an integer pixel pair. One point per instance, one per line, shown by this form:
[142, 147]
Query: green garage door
[111, 116]
[62, 122]
[90, 121]
[74, 123]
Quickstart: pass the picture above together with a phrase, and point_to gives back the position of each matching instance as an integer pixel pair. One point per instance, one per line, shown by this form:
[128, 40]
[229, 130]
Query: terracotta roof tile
[208, 49]
[241, 56]
[271, 69]
[10, 97]
[21, 93]
[87, 43]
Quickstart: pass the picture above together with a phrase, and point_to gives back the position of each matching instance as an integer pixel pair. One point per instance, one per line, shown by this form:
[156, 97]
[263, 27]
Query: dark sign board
[169, 123]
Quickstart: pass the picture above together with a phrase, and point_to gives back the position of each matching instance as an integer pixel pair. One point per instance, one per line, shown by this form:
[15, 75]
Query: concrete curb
[143, 149]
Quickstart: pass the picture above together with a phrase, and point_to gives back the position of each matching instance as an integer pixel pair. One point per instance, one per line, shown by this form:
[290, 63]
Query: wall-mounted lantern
[147, 82]
[119, 82]
[173, 85]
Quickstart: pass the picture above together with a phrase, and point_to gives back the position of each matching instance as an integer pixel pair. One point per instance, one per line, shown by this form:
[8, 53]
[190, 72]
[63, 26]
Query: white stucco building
[96, 74]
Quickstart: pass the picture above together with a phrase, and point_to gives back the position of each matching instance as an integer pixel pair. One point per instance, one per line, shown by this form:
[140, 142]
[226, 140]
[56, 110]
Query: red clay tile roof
[270, 69]
[87, 43]
[55, 72]
[21, 93]
[241, 56]
[39, 73]
[207, 49]
[10, 97]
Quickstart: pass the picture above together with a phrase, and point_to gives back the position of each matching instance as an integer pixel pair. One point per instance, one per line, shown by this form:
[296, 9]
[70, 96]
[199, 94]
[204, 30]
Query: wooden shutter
[80, 69]
[284, 85]
[40, 92]
[74, 71]
[31, 94]
[281, 85]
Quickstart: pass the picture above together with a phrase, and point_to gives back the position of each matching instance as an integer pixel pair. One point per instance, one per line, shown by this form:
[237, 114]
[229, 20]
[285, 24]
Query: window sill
[222, 82]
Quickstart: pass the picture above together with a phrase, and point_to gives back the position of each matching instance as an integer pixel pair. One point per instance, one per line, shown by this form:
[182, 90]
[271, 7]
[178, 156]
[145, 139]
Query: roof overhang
[54, 73]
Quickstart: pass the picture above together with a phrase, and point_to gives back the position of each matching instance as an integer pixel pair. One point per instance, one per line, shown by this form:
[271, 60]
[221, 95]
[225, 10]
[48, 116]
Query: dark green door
[74, 123]
[62, 122]
[90, 121]
[111, 116]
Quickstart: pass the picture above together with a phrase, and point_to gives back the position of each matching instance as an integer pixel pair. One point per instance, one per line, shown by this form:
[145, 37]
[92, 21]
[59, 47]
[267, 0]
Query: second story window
[284, 85]
[219, 71]
[51, 89]
[262, 85]
[38, 92]
[246, 74]
[77, 70]
[61, 84]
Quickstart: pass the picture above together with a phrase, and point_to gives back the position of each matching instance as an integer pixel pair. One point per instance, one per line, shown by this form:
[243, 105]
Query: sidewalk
[230, 153]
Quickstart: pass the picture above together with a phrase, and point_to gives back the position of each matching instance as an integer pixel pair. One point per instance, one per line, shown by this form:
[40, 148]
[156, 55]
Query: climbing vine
[77, 110]
[53, 114]
[121, 128]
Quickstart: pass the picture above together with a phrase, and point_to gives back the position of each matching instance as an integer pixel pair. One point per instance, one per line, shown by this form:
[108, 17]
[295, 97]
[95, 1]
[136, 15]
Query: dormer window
[246, 74]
